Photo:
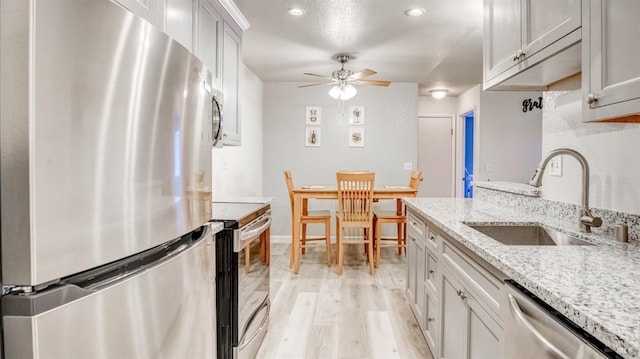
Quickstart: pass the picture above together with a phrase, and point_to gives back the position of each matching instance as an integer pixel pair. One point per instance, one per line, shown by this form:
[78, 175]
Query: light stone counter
[596, 287]
[510, 187]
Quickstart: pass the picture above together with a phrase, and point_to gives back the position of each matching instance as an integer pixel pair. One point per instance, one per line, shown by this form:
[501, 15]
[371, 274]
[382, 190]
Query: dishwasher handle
[544, 342]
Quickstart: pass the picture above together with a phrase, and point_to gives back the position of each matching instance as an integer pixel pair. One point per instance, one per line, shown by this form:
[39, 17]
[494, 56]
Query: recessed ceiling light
[295, 11]
[414, 12]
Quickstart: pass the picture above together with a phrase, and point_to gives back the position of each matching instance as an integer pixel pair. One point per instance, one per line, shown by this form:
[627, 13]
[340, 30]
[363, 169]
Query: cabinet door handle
[516, 56]
[591, 99]
[431, 271]
[430, 319]
[432, 238]
[461, 294]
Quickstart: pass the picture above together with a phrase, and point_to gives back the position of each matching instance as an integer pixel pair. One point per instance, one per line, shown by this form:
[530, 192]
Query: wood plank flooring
[318, 314]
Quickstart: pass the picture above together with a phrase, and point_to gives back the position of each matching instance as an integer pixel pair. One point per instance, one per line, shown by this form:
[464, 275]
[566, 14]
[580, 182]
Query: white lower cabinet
[456, 301]
[469, 330]
[415, 279]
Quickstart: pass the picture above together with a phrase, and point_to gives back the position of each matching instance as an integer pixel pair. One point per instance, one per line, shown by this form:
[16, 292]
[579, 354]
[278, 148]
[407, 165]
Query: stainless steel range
[242, 277]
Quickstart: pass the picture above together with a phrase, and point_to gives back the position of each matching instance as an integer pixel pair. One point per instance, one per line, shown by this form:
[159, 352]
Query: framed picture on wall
[312, 136]
[356, 115]
[356, 136]
[313, 115]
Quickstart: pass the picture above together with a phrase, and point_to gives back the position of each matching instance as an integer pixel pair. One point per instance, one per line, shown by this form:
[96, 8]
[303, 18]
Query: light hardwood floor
[318, 314]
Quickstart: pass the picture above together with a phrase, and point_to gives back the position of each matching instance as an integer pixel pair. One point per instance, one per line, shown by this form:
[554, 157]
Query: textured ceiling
[440, 49]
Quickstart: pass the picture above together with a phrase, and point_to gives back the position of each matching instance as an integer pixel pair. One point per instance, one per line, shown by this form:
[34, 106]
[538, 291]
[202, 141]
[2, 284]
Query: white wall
[612, 150]
[427, 106]
[237, 170]
[390, 140]
[507, 140]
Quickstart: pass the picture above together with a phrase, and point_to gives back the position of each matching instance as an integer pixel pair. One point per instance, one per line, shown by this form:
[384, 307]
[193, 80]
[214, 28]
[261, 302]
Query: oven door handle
[248, 236]
[252, 233]
[266, 306]
[522, 320]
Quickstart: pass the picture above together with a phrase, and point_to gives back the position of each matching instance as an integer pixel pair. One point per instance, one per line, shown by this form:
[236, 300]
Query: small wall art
[312, 137]
[356, 137]
[313, 115]
[356, 115]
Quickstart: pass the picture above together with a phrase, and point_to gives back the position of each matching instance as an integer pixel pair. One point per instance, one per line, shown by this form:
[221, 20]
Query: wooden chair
[398, 218]
[309, 217]
[355, 199]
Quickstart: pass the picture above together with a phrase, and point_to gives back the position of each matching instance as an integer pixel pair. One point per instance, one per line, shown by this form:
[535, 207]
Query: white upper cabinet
[611, 65]
[209, 39]
[180, 22]
[231, 60]
[150, 10]
[529, 44]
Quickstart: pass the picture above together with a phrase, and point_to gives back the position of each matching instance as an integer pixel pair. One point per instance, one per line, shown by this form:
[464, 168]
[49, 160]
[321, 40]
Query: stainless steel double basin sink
[528, 235]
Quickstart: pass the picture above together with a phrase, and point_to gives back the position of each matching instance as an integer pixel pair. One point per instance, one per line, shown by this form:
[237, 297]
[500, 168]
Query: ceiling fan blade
[361, 74]
[323, 76]
[316, 84]
[371, 82]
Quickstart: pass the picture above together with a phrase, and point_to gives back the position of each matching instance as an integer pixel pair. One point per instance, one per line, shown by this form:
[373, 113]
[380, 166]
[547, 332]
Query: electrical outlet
[407, 166]
[555, 167]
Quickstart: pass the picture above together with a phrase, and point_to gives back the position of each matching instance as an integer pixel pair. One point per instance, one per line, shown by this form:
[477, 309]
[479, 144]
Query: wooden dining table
[303, 194]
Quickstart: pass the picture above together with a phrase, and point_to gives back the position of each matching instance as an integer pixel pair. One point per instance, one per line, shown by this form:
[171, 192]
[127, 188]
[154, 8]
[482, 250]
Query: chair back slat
[289, 180]
[355, 196]
[414, 180]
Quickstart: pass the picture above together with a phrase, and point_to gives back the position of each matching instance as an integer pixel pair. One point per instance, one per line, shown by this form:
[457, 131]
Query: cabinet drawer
[434, 241]
[416, 225]
[431, 272]
[484, 285]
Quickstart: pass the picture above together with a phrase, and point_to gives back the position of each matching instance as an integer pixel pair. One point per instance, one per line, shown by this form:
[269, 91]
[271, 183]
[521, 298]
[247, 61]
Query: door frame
[454, 144]
[459, 148]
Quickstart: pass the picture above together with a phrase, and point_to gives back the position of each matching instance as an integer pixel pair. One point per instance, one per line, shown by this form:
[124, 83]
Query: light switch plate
[407, 166]
[555, 167]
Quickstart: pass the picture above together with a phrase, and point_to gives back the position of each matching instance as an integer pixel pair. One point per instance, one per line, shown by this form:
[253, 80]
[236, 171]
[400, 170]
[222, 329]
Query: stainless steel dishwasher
[533, 330]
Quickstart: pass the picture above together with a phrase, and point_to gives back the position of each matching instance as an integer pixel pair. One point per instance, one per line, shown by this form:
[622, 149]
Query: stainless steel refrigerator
[106, 132]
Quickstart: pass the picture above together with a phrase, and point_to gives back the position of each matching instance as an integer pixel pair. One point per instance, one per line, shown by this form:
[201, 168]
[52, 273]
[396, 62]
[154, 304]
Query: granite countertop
[510, 187]
[597, 287]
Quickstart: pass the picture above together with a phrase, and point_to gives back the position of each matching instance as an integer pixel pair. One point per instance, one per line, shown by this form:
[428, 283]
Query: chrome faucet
[587, 220]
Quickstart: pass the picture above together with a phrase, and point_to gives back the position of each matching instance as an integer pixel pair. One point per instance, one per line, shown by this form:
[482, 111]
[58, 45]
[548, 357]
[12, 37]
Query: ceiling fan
[343, 78]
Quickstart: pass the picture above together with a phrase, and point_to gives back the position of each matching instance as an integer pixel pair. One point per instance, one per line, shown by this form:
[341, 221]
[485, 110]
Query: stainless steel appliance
[106, 135]
[242, 277]
[534, 330]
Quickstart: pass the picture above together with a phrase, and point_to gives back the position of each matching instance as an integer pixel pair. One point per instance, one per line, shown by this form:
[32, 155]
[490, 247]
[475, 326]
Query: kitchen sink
[528, 235]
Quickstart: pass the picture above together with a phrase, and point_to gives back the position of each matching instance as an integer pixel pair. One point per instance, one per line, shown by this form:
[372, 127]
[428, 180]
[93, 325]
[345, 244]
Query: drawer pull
[430, 319]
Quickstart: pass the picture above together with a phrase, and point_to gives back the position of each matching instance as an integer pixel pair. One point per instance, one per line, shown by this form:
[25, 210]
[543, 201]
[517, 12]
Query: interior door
[435, 155]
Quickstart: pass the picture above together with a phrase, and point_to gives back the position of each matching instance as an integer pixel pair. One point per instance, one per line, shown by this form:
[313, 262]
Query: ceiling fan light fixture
[348, 92]
[439, 93]
[294, 11]
[415, 12]
[342, 92]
